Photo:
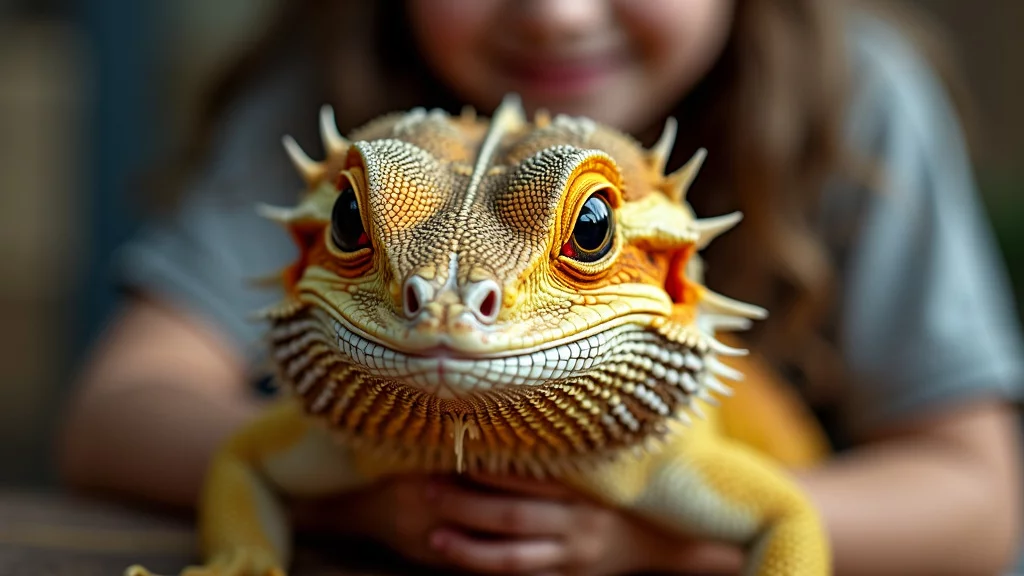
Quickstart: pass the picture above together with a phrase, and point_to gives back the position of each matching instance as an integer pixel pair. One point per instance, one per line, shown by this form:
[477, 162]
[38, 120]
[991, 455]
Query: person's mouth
[546, 78]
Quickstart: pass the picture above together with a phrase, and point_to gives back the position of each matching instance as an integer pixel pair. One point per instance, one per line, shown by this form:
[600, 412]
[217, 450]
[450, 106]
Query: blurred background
[93, 92]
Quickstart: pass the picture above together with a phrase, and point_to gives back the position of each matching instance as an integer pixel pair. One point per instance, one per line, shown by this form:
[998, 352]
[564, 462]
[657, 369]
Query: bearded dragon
[508, 296]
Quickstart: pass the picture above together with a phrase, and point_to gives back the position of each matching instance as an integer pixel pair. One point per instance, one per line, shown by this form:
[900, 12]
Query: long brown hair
[770, 112]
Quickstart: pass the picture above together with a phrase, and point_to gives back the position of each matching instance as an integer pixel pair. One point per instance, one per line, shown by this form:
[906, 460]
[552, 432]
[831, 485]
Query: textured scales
[505, 296]
[466, 218]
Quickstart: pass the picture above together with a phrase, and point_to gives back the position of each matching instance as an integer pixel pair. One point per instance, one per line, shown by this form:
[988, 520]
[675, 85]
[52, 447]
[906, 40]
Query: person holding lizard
[890, 313]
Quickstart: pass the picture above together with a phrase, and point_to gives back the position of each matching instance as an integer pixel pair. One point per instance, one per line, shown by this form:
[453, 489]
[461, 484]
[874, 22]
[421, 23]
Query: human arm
[931, 341]
[158, 394]
[937, 495]
[169, 378]
[511, 526]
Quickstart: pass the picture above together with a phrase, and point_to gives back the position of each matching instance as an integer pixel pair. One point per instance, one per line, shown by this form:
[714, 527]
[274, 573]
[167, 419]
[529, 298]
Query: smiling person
[890, 312]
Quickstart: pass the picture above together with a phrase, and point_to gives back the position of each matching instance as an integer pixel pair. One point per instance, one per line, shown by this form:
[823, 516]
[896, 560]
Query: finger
[500, 556]
[709, 558]
[506, 515]
[523, 485]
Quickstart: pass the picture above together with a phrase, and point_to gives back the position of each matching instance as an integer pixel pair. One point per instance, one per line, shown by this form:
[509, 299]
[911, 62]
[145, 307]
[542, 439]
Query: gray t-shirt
[925, 316]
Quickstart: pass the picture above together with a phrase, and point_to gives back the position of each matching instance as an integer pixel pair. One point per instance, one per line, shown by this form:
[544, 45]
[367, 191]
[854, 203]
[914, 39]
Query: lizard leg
[723, 490]
[243, 527]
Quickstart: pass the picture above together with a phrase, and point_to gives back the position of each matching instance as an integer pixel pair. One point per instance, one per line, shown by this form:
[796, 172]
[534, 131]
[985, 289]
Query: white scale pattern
[466, 374]
[627, 360]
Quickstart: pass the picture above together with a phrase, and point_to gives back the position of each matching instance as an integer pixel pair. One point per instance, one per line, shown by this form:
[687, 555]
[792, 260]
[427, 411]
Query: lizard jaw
[450, 375]
[446, 372]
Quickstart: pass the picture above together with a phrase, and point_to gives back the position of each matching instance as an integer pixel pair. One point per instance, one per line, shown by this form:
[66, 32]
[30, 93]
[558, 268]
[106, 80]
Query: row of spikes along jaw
[620, 406]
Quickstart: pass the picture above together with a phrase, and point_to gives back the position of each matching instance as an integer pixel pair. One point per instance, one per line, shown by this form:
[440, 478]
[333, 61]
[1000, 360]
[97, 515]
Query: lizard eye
[346, 224]
[593, 231]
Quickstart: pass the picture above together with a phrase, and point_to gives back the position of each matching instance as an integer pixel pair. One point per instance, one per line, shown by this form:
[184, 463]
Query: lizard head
[533, 283]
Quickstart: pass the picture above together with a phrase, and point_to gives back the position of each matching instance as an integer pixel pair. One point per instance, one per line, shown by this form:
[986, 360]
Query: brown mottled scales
[515, 297]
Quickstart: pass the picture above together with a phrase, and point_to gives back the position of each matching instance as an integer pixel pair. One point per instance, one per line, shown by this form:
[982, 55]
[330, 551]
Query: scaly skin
[516, 297]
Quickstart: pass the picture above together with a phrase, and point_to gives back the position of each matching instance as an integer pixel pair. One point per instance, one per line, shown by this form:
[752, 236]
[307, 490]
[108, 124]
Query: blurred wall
[42, 103]
[985, 41]
[986, 34]
[92, 93]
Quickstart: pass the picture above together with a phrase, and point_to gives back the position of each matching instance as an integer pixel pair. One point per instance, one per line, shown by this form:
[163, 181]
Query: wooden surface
[45, 534]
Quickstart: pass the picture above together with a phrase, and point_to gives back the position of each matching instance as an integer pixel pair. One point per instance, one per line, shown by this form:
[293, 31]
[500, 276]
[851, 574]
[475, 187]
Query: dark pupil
[347, 226]
[592, 224]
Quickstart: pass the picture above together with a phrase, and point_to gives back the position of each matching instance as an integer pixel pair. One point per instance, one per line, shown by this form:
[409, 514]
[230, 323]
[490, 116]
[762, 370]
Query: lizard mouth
[449, 374]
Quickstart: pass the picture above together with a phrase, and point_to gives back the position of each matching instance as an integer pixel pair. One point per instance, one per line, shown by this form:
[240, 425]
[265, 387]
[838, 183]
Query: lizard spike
[718, 368]
[695, 409]
[277, 213]
[682, 417]
[333, 141]
[708, 399]
[310, 171]
[716, 385]
[286, 216]
[719, 347]
[542, 118]
[510, 112]
[659, 153]
[725, 305]
[725, 322]
[710, 228]
[678, 182]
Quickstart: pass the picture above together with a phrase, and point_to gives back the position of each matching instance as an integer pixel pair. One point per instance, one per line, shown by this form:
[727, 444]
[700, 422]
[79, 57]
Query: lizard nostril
[483, 298]
[412, 302]
[417, 291]
[487, 306]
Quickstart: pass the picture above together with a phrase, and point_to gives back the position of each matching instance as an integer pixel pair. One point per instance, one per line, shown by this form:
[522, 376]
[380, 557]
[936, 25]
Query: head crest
[510, 113]
[334, 144]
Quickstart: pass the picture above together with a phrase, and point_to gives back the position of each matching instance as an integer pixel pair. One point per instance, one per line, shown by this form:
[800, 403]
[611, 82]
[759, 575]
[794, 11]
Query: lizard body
[510, 296]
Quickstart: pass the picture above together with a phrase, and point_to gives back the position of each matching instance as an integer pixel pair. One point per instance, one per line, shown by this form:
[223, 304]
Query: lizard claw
[238, 563]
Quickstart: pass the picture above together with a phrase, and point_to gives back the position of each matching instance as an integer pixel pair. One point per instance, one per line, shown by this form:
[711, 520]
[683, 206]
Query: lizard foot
[237, 563]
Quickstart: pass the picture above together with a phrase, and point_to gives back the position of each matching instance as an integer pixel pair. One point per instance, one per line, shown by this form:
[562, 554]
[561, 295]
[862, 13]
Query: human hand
[394, 511]
[518, 526]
